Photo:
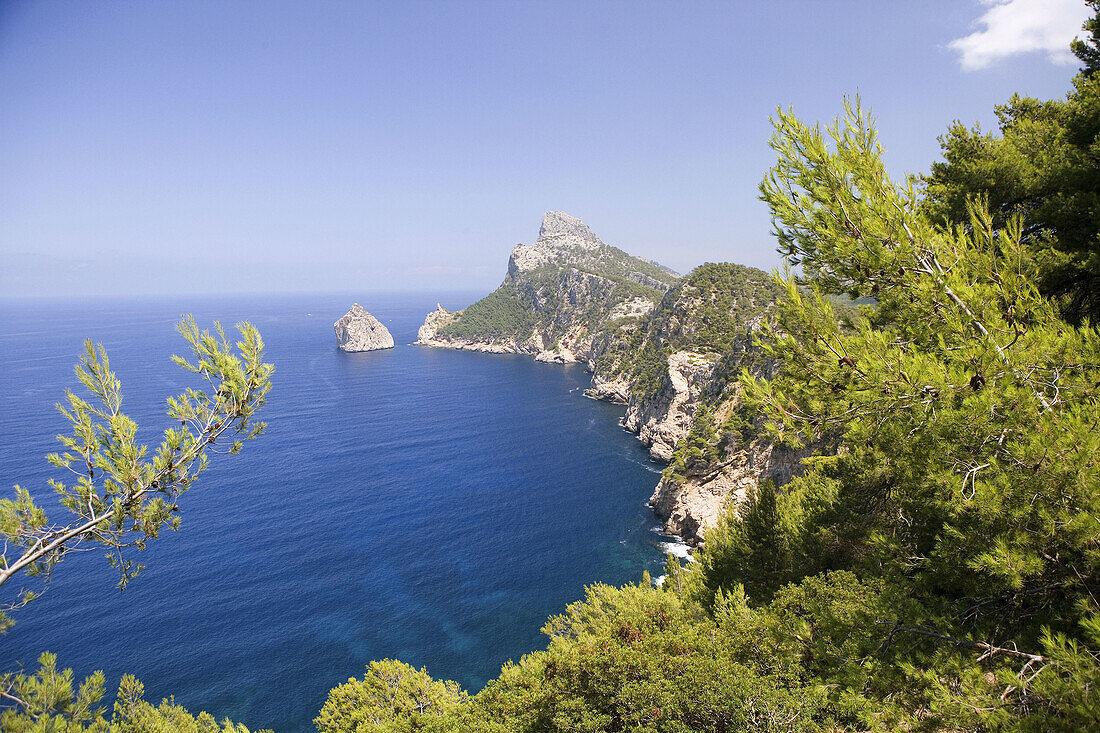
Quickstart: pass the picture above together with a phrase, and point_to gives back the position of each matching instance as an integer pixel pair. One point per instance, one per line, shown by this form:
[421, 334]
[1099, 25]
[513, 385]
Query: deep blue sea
[429, 505]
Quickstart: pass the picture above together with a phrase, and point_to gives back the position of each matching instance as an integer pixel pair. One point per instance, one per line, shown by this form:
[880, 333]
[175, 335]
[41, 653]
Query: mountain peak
[566, 242]
[559, 224]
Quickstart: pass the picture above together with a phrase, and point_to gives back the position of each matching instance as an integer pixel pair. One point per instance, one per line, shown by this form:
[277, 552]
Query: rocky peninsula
[358, 330]
[669, 347]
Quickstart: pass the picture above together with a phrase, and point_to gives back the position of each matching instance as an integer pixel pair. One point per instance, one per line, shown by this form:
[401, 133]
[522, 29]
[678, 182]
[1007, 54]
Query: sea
[428, 505]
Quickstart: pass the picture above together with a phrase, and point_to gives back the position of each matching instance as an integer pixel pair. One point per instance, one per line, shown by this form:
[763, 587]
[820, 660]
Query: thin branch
[989, 650]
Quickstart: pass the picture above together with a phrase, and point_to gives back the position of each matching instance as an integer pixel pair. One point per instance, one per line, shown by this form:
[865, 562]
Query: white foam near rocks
[679, 549]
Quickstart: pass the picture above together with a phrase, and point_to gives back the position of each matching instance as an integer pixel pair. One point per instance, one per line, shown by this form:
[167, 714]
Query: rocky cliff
[559, 293]
[723, 454]
[358, 330]
[668, 347]
[664, 366]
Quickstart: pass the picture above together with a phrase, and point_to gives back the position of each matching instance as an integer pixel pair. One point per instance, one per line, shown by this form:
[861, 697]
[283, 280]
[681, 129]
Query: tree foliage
[391, 696]
[120, 498]
[49, 704]
[967, 411]
[1042, 167]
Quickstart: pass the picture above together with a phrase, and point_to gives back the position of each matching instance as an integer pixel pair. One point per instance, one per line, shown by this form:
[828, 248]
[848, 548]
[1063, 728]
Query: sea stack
[360, 331]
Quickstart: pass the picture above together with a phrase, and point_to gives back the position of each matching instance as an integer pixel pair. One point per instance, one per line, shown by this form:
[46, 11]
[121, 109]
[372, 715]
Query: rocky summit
[358, 330]
[558, 294]
[565, 241]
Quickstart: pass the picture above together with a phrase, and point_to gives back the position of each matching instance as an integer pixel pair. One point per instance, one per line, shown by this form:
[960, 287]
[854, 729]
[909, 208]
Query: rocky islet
[358, 330]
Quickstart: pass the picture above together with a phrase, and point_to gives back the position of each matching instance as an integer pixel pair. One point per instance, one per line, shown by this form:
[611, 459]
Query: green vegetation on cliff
[710, 311]
[713, 307]
[390, 696]
[500, 314]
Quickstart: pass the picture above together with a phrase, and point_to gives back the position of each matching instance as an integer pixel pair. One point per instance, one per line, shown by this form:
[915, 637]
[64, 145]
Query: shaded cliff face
[559, 294]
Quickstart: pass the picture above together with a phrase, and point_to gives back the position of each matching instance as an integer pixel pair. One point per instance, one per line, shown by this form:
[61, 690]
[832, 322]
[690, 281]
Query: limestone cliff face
[662, 419]
[690, 505]
[358, 330]
[610, 389]
[696, 489]
[724, 453]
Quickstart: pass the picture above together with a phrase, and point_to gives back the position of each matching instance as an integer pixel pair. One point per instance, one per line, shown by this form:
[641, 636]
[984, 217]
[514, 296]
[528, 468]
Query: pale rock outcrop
[690, 508]
[434, 321]
[633, 308]
[615, 389]
[693, 502]
[562, 238]
[565, 241]
[643, 279]
[662, 420]
[505, 346]
[358, 330]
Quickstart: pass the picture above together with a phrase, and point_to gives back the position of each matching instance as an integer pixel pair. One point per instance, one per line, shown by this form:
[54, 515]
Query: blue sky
[177, 147]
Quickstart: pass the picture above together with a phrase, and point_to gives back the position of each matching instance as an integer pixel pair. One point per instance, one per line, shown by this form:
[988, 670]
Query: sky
[191, 146]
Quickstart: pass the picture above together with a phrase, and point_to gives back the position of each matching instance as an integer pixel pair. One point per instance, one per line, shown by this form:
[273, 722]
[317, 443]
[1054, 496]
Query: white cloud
[1010, 27]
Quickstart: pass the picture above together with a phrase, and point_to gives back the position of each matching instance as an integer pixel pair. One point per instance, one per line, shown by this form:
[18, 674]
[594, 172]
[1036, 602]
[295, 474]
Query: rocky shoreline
[688, 508]
[569, 314]
[565, 351]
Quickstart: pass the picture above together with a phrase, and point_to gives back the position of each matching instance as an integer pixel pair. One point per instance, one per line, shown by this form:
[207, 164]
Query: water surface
[429, 505]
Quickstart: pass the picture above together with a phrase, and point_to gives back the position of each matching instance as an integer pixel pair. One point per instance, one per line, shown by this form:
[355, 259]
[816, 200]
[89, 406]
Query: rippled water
[429, 505]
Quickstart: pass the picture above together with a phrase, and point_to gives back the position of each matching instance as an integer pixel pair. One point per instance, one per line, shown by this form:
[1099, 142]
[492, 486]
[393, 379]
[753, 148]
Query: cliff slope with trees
[936, 565]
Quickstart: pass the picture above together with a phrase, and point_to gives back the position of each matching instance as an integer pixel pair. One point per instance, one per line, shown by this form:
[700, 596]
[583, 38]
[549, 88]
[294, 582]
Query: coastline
[669, 347]
[658, 422]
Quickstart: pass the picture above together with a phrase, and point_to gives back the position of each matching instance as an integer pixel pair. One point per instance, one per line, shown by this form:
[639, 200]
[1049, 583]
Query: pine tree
[966, 410]
[121, 499]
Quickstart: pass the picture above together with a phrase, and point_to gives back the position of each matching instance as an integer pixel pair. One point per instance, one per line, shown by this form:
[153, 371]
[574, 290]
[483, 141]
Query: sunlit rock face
[558, 295]
[358, 330]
